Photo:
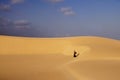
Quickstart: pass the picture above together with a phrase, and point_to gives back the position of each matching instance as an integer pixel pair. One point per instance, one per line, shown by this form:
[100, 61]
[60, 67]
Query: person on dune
[75, 54]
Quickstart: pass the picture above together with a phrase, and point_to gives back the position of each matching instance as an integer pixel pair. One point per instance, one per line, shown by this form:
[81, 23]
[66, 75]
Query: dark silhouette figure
[75, 54]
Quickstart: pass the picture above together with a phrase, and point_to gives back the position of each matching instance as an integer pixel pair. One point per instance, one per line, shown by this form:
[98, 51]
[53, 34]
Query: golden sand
[52, 58]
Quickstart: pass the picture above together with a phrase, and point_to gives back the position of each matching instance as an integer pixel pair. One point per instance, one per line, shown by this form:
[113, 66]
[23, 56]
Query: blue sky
[60, 18]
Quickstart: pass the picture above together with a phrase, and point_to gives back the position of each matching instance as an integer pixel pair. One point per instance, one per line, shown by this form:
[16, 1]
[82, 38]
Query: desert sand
[23, 58]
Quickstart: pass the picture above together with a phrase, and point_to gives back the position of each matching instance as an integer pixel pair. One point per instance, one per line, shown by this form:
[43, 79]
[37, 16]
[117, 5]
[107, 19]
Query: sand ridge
[21, 45]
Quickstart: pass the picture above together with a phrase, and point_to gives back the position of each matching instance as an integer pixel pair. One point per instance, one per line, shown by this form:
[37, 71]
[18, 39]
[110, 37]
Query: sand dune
[52, 58]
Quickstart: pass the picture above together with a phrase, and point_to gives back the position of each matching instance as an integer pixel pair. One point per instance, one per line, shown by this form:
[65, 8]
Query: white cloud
[5, 7]
[56, 1]
[4, 22]
[21, 24]
[67, 11]
[17, 1]
[18, 24]
[64, 9]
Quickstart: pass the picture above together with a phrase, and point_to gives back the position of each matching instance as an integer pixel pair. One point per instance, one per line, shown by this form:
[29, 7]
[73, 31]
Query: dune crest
[21, 45]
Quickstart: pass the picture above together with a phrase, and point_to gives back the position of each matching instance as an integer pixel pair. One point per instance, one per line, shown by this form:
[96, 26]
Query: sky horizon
[60, 18]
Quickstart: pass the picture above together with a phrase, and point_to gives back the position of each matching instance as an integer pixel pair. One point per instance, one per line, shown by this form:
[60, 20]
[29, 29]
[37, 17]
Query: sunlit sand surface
[52, 58]
[32, 67]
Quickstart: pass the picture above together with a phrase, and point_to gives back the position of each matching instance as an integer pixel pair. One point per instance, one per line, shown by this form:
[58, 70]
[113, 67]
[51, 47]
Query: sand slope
[52, 58]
